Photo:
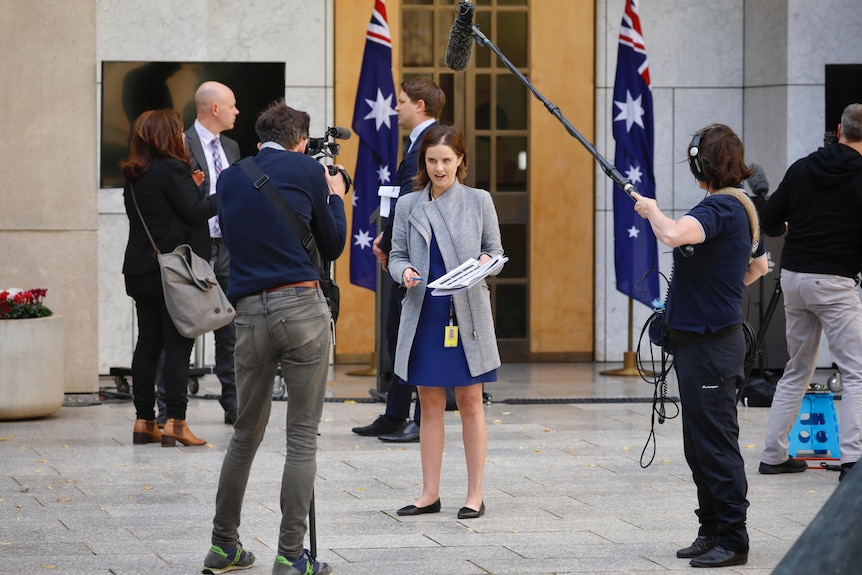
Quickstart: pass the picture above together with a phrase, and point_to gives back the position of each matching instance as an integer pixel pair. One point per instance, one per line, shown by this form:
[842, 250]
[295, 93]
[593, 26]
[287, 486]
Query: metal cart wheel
[279, 388]
[194, 385]
[835, 383]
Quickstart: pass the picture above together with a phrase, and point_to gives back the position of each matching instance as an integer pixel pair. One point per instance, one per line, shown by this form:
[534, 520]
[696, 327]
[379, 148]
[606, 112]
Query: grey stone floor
[564, 488]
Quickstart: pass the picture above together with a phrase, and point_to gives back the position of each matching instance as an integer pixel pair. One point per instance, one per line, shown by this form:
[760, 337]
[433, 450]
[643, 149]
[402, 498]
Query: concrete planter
[31, 367]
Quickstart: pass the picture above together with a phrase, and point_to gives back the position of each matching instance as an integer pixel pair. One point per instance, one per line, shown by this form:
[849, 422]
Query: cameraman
[819, 204]
[281, 317]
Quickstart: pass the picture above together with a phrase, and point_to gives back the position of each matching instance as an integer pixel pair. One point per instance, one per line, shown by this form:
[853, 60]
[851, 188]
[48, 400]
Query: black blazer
[404, 178]
[199, 159]
[175, 213]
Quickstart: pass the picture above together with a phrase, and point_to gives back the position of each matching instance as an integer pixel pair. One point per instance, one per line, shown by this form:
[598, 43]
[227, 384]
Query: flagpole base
[630, 367]
[368, 371]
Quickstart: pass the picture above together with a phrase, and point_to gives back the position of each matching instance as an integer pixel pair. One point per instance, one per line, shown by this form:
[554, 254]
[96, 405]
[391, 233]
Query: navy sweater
[264, 251]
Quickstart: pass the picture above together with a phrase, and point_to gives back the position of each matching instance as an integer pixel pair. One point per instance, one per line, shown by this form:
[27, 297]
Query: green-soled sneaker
[220, 560]
[304, 565]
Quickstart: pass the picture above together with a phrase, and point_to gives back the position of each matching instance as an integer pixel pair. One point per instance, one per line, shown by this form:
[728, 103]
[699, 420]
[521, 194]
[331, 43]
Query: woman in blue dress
[445, 341]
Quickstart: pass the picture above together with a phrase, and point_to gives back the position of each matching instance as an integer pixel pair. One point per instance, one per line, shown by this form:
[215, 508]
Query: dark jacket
[821, 200]
[175, 213]
[199, 159]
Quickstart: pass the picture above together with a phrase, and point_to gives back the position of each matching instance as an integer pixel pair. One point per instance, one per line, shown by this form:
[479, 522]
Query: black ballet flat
[467, 513]
[413, 510]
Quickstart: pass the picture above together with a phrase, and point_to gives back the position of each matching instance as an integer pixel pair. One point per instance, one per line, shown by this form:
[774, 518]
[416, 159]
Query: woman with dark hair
[704, 316]
[437, 228]
[160, 185]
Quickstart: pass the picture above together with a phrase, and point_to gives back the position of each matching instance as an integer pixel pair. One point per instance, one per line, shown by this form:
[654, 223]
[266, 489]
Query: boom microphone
[459, 51]
[339, 133]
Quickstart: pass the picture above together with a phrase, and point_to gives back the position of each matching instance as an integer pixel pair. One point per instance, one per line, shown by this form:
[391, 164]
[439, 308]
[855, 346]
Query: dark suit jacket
[404, 178]
[175, 213]
[199, 159]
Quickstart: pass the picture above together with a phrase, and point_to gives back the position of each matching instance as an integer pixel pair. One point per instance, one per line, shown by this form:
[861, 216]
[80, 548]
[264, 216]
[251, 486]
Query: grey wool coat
[464, 222]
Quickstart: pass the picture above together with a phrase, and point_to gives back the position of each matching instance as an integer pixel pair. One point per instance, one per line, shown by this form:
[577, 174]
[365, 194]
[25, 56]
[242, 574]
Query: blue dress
[431, 364]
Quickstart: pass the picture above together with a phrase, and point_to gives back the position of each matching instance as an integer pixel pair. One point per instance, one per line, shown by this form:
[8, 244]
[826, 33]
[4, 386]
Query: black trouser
[156, 331]
[225, 336]
[708, 374]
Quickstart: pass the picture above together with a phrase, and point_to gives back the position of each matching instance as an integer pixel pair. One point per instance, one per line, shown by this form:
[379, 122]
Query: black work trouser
[708, 373]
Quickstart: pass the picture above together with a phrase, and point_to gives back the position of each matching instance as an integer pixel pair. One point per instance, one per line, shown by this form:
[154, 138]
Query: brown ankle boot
[146, 431]
[177, 430]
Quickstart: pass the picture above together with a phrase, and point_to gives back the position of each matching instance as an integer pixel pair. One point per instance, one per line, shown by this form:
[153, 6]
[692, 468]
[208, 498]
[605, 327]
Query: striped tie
[215, 227]
[216, 150]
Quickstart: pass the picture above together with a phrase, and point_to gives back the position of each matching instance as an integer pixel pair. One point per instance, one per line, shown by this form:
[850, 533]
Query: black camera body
[322, 147]
[325, 147]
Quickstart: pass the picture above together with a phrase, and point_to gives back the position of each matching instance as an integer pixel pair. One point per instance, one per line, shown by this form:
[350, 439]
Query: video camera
[325, 148]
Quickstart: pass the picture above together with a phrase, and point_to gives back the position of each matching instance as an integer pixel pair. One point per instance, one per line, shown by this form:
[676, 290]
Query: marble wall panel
[766, 40]
[167, 30]
[694, 43]
[806, 110]
[765, 131]
[663, 119]
[819, 33]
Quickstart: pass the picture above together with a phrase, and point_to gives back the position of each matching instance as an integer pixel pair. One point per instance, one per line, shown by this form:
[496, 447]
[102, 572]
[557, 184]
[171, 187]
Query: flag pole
[373, 369]
[630, 359]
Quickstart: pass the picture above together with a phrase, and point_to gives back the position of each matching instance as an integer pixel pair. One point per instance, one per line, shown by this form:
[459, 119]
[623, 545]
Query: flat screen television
[129, 88]
[843, 87]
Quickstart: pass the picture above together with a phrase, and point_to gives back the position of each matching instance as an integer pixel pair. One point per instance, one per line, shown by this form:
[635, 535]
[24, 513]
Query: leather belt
[305, 284]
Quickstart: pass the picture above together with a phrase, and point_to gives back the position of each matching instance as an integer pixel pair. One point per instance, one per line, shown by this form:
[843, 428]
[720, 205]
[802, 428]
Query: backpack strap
[753, 220]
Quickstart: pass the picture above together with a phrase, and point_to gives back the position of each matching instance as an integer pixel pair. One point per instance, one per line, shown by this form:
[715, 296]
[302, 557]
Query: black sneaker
[789, 466]
[845, 469]
[381, 426]
[220, 560]
[304, 565]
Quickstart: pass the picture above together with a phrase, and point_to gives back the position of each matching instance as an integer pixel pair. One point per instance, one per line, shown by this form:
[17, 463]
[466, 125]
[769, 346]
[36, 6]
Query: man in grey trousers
[819, 204]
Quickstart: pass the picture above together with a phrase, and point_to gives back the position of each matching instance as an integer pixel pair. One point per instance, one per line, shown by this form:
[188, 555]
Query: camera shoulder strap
[303, 232]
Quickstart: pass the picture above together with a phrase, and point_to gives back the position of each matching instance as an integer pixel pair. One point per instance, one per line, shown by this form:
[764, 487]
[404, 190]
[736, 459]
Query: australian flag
[375, 122]
[635, 251]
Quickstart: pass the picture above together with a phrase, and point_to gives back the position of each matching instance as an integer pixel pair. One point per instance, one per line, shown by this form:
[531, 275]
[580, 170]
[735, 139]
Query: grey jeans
[815, 304]
[290, 326]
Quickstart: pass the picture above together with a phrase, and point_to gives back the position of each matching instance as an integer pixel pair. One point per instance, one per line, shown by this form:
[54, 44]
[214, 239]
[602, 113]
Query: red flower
[20, 304]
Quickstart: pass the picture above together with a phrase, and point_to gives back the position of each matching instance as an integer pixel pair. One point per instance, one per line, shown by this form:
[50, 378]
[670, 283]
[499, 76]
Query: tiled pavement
[564, 489]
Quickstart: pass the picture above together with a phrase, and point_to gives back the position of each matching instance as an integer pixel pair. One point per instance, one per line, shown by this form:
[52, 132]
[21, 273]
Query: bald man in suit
[212, 152]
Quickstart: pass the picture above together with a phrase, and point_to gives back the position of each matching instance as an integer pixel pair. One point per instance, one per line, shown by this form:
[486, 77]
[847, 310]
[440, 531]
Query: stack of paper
[466, 275]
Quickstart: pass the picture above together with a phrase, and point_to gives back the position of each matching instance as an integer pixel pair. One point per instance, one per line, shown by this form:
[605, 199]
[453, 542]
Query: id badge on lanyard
[450, 338]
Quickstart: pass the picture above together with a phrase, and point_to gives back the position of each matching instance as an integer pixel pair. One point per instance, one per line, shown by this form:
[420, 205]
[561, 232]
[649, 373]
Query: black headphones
[700, 165]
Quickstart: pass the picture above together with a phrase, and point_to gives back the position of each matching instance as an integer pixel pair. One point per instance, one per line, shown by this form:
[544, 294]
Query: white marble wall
[297, 32]
[756, 66]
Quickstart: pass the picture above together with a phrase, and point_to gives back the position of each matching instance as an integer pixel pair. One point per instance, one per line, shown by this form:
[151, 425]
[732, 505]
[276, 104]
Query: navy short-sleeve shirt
[706, 288]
